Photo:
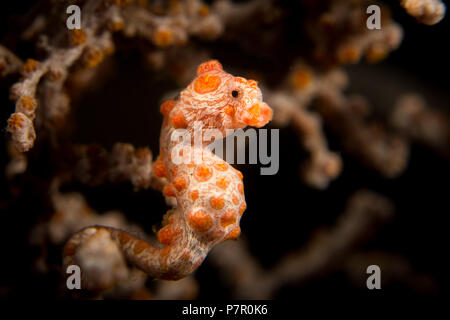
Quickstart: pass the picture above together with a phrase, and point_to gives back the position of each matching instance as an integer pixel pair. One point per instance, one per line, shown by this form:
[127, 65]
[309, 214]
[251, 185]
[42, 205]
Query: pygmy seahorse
[209, 193]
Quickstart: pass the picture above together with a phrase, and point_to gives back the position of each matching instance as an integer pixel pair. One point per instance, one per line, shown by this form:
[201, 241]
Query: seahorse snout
[258, 115]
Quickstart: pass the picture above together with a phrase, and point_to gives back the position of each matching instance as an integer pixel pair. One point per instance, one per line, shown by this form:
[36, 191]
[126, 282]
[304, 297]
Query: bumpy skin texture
[209, 193]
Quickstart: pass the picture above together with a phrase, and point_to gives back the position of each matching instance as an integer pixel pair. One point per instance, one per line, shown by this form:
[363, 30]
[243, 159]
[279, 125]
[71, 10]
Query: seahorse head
[223, 101]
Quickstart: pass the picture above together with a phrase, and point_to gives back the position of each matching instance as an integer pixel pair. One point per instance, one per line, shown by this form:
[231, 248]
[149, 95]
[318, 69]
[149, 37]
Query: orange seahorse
[209, 194]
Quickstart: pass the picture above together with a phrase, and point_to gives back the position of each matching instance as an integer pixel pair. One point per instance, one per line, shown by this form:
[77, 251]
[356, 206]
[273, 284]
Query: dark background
[278, 218]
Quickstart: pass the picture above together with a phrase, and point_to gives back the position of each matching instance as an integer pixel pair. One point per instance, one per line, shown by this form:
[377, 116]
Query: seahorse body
[209, 193]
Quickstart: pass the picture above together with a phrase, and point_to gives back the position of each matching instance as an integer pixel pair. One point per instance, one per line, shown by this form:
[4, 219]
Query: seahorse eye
[235, 93]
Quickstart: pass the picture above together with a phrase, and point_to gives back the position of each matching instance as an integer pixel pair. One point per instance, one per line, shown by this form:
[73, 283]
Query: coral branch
[364, 212]
[323, 165]
[387, 153]
[93, 165]
[430, 127]
[9, 63]
[56, 66]
[396, 270]
[425, 11]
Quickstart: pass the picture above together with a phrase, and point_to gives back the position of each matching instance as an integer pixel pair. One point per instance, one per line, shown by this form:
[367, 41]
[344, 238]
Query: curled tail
[171, 262]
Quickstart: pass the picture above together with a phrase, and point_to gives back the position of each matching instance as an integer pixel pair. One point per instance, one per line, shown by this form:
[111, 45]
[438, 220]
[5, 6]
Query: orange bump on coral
[301, 79]
[27, 105]
[93, 57]
[29, 66]
[203, 10]
[163, 37]
[77, 36]
[348, 54]
[22, 131]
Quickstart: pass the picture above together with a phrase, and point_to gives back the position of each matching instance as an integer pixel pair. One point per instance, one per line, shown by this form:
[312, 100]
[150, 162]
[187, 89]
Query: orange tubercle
[206, 83]
[169, 190]
[209, 66]
[203, 173]
[200, 220]
[178, 120]
[235, 199]
[27, 103]
[223, 182]
[167, 106]
[193, 195]
[174, 171]
[252, 83]
[241, 188]
[228, 218]
[93, 57]
[163, 37]
[302, 78]
[180, 183]
[217, 202]
[29, 66]
[229, 110]
[239, 174]
[221, 166]
[77, 36]
[160, 169]
[233, 233]
[167, 234]
[242, 208]
[348, 54]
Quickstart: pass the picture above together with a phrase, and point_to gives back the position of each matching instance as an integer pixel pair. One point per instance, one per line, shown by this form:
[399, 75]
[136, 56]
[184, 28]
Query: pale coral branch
[395, 269]
[323, 165]
[94, 165]
[386, 152]
[18, 162]
[184, 289]
[55, 100]
[103, 264]
[364, 213]
[429, 126]
[425, 11]
[340, 34]
[9, 62]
